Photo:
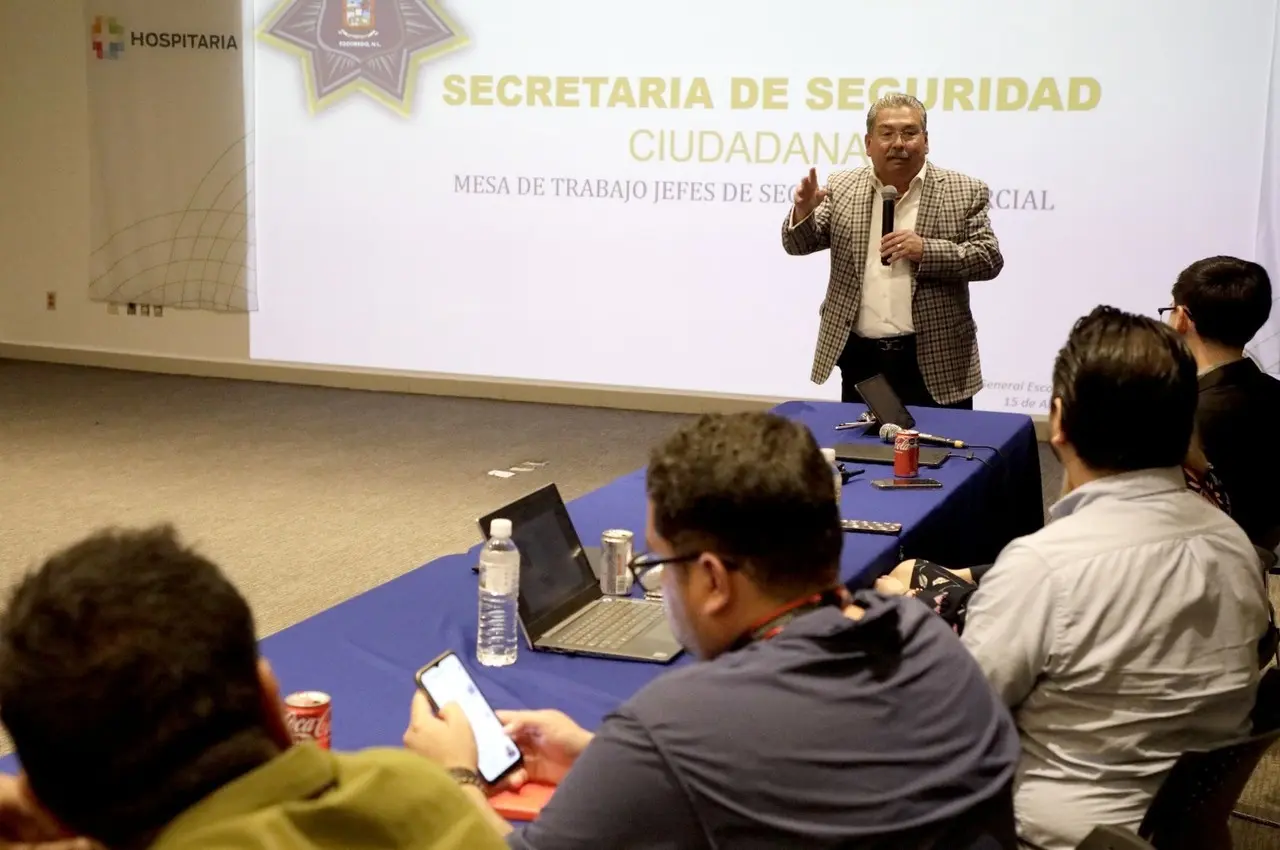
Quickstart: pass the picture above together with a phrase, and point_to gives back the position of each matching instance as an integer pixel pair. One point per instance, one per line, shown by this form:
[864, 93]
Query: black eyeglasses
[645, 562]
[1164, 311]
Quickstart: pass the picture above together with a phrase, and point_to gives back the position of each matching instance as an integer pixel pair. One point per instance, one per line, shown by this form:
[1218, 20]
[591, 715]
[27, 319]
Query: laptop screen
[549, 565]
[556, 578]
[884, 402]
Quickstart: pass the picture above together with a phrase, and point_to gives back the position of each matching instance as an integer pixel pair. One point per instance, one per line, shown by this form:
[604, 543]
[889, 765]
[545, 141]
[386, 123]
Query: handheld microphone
[888, 431]
[888, 196]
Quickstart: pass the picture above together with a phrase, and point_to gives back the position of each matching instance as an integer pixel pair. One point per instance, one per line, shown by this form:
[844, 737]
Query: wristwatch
[465, 776]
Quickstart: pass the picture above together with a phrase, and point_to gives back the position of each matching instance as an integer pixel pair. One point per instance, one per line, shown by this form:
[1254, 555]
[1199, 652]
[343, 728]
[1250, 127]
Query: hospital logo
[369, 46]
[108, 37]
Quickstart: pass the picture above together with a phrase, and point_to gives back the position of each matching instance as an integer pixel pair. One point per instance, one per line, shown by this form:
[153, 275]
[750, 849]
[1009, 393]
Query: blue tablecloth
[365, 651]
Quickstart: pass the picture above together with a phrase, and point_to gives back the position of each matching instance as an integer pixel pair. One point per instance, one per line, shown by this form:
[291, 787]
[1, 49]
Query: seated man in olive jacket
[144, 718]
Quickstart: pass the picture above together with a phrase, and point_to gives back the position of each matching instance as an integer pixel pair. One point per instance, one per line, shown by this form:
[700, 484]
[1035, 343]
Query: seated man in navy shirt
[814, 720]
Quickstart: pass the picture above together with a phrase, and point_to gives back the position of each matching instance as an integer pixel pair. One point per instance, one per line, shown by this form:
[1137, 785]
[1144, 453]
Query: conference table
[364, 652]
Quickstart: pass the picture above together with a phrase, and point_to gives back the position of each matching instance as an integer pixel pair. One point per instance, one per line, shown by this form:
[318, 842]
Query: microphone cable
[968, 454]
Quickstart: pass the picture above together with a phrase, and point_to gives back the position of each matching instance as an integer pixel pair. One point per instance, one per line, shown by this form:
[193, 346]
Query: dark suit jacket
[959, 246]
[1239, 405]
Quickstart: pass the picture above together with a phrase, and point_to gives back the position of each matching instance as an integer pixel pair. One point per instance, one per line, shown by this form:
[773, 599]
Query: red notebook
[522, 805]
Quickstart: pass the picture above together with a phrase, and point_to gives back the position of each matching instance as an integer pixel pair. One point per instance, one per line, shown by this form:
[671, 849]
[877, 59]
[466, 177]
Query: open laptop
[884, 404]
[886, 408]
[562, 608]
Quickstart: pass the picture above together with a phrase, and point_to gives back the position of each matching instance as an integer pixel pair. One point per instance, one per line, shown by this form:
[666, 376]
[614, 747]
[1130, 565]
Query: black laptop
[884, 404]
[886, 409]
[562, 608]
[930, 457]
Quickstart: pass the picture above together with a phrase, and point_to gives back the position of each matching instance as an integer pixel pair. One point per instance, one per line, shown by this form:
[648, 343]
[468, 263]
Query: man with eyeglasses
[897, 304]
[815, 718]
[1219, 305]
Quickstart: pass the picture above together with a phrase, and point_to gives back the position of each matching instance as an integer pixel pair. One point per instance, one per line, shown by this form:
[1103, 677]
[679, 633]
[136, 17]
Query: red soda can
[906, 454]
[309, 715]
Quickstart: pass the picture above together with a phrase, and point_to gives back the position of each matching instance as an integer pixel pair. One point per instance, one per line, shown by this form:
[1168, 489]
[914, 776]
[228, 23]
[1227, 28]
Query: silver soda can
[615, 555]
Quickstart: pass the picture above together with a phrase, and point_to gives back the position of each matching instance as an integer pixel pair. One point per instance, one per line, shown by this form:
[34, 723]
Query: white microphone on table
[888, 431]
[888, 196]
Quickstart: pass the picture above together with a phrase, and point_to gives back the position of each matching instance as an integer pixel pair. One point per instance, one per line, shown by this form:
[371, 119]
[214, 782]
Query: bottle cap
[500, 528]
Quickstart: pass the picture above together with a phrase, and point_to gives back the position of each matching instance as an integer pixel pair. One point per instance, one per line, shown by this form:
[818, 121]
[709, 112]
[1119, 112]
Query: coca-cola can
[906, 454]
[309, 715]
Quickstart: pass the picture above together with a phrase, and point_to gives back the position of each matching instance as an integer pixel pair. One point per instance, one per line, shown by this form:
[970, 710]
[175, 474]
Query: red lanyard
[772, 625]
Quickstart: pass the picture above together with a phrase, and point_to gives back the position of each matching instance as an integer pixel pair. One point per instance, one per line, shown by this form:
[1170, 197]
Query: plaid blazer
[959, 246]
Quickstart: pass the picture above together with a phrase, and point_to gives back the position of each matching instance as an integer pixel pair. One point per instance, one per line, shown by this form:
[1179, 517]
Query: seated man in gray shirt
[1125, 632]
[815, 719]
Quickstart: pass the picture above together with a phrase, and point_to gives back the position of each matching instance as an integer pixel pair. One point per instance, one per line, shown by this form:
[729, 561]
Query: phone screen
[448, 681]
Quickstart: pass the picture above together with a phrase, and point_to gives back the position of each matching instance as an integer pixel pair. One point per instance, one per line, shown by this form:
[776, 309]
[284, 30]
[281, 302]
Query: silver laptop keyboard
[610, 625]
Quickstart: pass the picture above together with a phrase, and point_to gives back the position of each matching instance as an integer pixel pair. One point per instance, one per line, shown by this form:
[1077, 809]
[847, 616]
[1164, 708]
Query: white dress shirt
[885, 309]
[1122, 634]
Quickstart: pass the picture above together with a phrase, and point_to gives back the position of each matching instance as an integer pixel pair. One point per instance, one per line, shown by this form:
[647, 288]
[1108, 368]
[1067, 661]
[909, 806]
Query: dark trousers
[896, 359]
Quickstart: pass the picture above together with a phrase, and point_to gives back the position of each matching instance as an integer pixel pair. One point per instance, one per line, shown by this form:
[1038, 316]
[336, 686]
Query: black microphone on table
[888, 195]
[888, 431]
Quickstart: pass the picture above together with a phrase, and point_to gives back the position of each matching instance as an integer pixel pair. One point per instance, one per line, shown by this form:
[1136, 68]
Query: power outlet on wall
[51, 300]
[157, 311]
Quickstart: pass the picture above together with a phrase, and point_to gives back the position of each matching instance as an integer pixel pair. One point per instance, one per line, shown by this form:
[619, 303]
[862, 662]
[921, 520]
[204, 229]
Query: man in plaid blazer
[898, 305]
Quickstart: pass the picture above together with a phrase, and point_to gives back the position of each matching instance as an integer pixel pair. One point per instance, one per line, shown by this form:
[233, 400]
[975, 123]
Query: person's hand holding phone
[550, 742]
[445, 738]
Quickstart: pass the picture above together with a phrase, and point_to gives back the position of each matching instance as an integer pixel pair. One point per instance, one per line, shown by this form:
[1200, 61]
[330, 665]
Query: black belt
[891, 343]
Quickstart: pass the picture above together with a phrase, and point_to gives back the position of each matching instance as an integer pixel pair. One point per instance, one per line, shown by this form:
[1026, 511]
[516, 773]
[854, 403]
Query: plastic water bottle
[497, 639]
[830, 455]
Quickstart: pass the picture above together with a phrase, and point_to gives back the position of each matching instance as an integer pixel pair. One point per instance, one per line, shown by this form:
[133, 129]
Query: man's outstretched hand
[808, 195]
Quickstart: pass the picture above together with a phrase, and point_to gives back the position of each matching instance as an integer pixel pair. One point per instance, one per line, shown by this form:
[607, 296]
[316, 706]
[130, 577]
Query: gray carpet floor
[308, 496]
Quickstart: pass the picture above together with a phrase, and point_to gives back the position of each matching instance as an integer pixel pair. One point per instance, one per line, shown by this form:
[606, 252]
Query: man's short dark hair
[129, 682]
[1128, 389]
[1229, 299]
[755, 489]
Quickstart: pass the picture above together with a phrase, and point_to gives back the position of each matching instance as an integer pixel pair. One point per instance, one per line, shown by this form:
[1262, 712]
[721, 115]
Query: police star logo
[370, 46]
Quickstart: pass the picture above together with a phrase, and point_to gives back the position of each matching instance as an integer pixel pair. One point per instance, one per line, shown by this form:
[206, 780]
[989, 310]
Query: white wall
[1266, 346]
[44, 246]
[44, 201]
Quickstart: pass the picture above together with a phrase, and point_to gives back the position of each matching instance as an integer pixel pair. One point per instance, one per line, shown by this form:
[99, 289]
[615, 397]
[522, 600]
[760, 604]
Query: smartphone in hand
[446, 680]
